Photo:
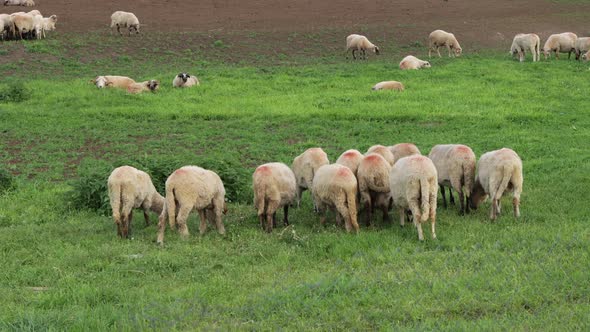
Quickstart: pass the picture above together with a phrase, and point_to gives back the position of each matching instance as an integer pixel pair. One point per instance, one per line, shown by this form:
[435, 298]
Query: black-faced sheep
[130, 188]
[414, 187]
[498, 171]
[351, 159]
[184, 80]
[274, 187]
[151, 85]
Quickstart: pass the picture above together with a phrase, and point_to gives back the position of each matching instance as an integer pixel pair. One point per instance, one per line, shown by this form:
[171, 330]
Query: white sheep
[562, 42]
[274, 187]
[34, 12]
[414, 183]
[373, 184]
[38, 26]
[383, 151]
[360, 43]
[388, 85]
[335, 187]
[498, 171]
[122, 82]
[121, 19]
[582, 46]
[184, 80]
[26, 3]
[192, 188]
[455, 167]
[7, 29]
[130, 188]
[305, 166]
[523, 42]
[586, 56]
[23, 24]
[411, 62]
[151, 85]
[403, 150]
[351, 159]
[49, 23]
[440, 38]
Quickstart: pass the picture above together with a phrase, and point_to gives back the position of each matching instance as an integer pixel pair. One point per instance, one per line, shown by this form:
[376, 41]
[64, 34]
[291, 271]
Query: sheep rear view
[383, 151]
[335, 188]
[455, 167]
[413, 182]
[498, 171]
[401, 150]
[188, 188]
[373, 184]
[305, 166]
[351, 159]
[274, 187]
[130, 188]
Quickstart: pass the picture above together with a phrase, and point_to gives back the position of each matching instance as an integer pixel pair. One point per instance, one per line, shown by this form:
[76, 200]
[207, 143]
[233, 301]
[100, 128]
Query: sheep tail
[507, 172]
[260, 202]
[425, 198]
[468, 177]
[171, 206]
[116, 202]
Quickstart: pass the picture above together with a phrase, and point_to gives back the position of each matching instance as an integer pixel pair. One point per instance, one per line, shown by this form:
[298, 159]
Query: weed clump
[89, 190]
[6, 181]
[15, 92]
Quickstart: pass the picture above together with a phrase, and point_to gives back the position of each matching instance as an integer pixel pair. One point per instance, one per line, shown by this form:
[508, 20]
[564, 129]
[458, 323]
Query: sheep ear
[109, 83]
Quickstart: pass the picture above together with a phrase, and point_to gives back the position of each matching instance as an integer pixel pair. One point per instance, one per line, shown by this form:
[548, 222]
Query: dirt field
[475, 21]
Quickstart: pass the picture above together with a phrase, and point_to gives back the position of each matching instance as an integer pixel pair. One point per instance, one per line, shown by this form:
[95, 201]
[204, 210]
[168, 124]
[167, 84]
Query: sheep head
[153, 85]
[478, 195]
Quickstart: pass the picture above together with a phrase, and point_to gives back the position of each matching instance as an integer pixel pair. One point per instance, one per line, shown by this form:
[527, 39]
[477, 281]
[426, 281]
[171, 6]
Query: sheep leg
[181, 219]
[444, 198]
[286, 214]
[457, 186]
[353, 54]
[438, 51]
[146, 217]
[218, 222]
[342, 209]
[161, 227]
[402, 217]
[449, 50]
[385, 209]
[451, 197]
[119, 30]
[416, 215]
[261, 218]
[299, 192]
[269, 222]
[429, 51]
[274, 220]
[516, 205]
[203, 224]
[493, 213]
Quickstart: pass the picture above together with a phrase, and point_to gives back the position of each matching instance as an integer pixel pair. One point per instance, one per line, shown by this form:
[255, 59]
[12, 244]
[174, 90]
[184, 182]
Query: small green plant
[15, 92]
[6, 181]
[89, 189]
[219, 44]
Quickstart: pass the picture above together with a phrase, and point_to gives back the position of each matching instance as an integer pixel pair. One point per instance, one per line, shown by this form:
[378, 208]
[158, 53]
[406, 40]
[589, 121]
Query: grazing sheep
[274, 187]
[383, 151]
[49, 23]
[413, 182]
[411, 62]
[523, 42]
[335, 187]
[130, 188]
[373, 182]
[184, 80]
[586, 56]
[192, 188]
[440, 38]
[7, 29]
[151, 85]
[498, 171]
[23, 23]
[26, 3]
[582, 46]
[388, 85]
[403, 150]
[562, 42]
[455, 168]
[305, 166]
[122, 82]
[126, 20]
[351, 159]
[360, 43]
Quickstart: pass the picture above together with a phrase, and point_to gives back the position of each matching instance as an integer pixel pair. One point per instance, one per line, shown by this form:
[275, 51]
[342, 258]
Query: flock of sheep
[384, 177]
[21, 25]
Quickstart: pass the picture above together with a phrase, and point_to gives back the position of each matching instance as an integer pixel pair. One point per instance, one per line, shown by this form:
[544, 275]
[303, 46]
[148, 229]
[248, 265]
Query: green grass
[530, 273]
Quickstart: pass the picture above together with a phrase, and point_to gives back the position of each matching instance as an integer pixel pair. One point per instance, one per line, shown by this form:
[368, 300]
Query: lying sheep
[123, 19]
[413, 183]
[498, 171]
[383, 151]
[305, 166]
[562, 42]
[373, 183]
[403, 150]
[7, 29]
[360, 43]
[26, 3]
[151, 85]
[440, 38]
[351, 159]
[455, 167]
[388, 85]
[192, 188]
[523, 42]
[274, 187]
[184, 80]
[122, 82]
[335, 187]
[130, 188]
[582, 46]
[23, 24]
[411, 62]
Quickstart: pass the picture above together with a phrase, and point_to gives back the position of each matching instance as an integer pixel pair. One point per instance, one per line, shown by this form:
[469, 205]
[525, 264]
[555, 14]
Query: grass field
[64, 268]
